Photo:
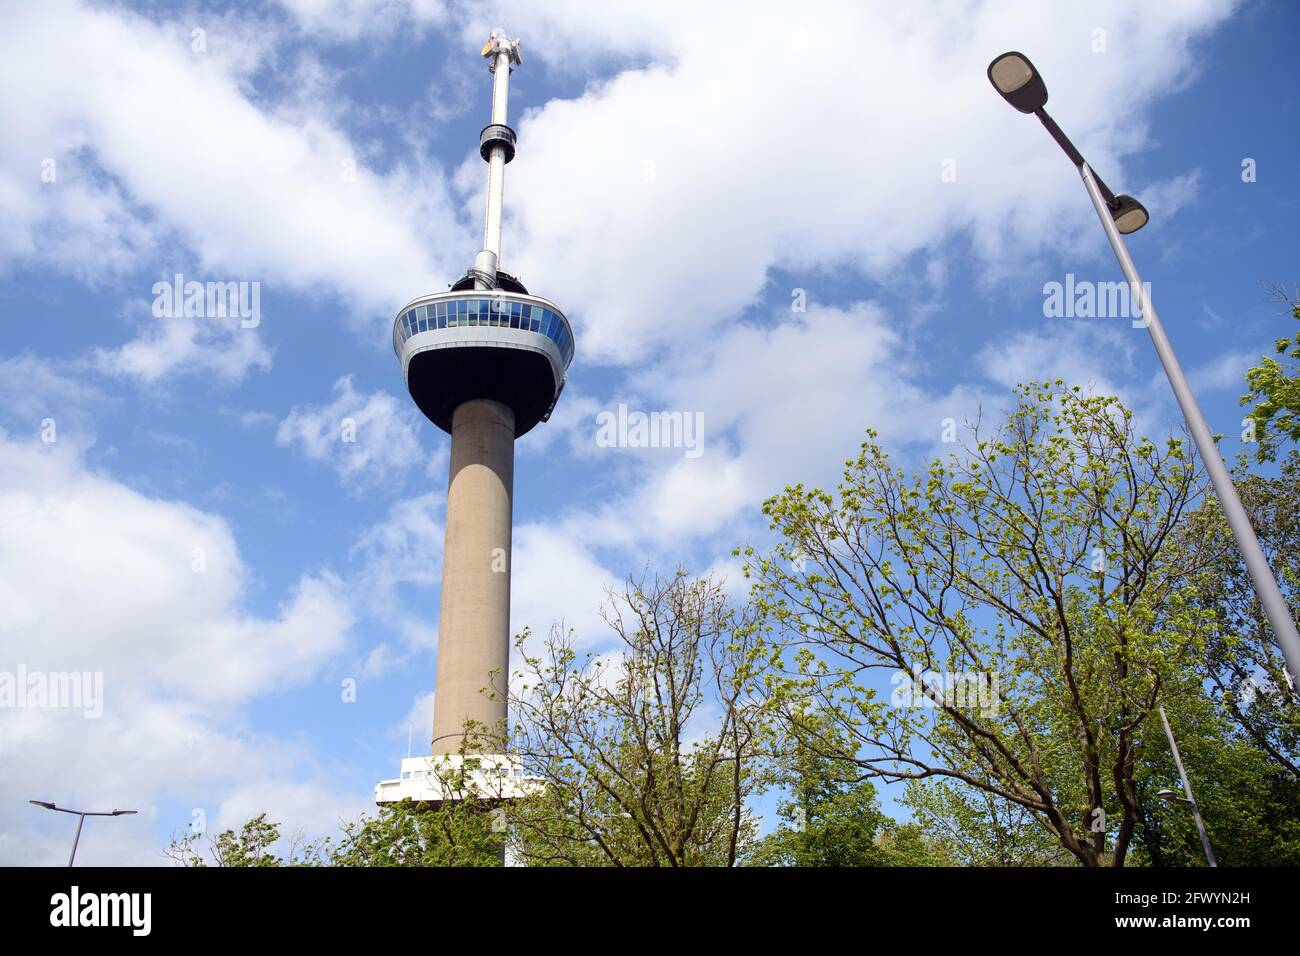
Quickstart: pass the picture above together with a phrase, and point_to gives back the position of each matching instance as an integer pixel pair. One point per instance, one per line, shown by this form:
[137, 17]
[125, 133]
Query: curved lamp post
[81, 819]
[1021, 85]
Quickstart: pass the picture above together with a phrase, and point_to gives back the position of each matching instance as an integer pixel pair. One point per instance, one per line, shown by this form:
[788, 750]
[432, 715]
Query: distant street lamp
[81, 819]
[1022, 86]
[1190, 799]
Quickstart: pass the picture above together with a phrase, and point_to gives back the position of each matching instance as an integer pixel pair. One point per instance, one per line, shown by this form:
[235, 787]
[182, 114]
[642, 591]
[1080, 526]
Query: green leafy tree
[252, 845]
[645, 756]
[456, 833]
[907, 844]
[829, 818]
[979, 828]
[1021, 590]
[1275, 391]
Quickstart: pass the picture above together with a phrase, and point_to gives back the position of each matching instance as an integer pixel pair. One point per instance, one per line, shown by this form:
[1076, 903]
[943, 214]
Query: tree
[830, 817]
[1019, 595]
[253, 845]
[645, 755]
[456, 833]
[459, 833]
[979, 828]
[1275, 391]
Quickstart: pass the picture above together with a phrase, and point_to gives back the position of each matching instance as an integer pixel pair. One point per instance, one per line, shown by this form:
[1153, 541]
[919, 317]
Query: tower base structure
[441, 778]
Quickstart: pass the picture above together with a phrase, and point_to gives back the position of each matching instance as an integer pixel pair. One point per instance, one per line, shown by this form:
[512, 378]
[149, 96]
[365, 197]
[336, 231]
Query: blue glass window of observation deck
[514, 317]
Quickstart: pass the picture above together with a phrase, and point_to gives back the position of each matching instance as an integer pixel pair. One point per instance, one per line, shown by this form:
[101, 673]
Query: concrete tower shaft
[474, 625]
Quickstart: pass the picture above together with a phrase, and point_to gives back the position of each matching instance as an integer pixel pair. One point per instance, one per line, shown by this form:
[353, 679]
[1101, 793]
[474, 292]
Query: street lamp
[1013, 76]
[1022, 86]
[1190, 798]
[81, 819]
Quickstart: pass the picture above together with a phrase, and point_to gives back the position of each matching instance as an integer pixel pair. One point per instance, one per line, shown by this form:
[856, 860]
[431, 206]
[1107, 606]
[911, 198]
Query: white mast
[497, 146]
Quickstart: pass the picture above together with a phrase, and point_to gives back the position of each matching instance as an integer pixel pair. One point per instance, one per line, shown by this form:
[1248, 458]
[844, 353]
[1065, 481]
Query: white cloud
[33, 389]
[1087, 352]
[350, 20]
[556, 579]
[400, 559]
[782, 138]
[152, 137]
[1228, 371]
[367, 438]
[152, 594]
[418, 722]
[827, 375]
[187, 345]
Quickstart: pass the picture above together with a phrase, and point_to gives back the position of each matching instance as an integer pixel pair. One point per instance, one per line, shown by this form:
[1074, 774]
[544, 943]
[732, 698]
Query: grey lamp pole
[1187, 789]
[81, 819]
[1022, 86]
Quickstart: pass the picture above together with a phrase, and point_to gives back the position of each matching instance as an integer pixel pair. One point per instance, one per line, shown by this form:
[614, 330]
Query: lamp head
[1020, 84]
[1129, 214]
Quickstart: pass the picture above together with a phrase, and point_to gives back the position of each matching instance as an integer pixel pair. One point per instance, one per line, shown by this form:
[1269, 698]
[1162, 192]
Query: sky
[795, 221]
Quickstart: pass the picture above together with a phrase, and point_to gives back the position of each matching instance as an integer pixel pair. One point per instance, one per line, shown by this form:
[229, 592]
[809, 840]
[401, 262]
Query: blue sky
[198, 532]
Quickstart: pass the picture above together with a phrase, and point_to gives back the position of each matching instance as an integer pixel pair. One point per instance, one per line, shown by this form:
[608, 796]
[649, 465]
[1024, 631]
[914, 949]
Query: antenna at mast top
[498, 42]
